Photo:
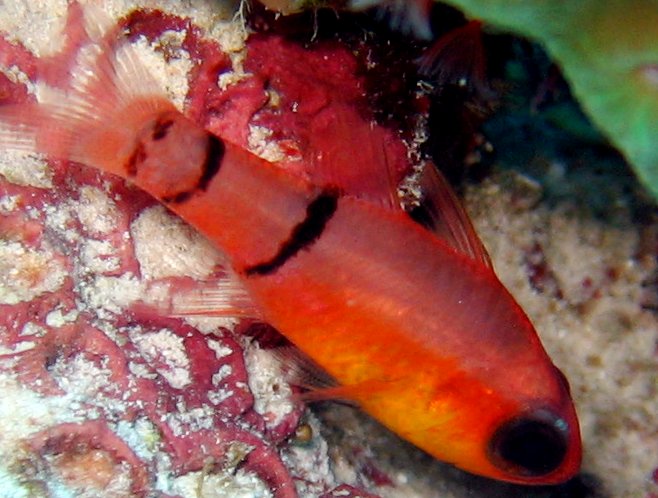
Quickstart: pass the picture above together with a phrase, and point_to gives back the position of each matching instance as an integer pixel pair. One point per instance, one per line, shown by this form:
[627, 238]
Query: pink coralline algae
[106, 398]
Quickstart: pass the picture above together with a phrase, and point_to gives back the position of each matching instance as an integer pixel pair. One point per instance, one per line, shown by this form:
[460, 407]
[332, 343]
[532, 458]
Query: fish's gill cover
[102, 397]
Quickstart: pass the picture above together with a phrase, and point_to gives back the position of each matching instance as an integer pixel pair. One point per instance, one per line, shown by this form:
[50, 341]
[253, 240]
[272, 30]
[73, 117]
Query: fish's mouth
[530, 446]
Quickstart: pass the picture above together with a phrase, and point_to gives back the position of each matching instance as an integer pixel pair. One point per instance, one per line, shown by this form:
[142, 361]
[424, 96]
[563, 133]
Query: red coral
[88, 456]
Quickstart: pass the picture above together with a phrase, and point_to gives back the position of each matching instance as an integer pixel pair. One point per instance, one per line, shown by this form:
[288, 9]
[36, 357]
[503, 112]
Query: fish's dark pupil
[530, 447]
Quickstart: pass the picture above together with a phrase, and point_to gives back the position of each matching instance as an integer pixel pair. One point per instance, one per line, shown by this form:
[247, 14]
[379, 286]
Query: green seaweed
[608, 51]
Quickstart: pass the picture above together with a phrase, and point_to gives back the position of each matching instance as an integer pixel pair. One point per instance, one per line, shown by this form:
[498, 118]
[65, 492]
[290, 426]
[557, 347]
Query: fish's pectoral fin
[350, 394]
[302, 371]
[338, 394]
[220, 296]
[441, 212]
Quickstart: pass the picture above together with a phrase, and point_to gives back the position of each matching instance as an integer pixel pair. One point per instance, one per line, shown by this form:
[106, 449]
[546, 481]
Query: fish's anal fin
[441, 212]
[221, 296]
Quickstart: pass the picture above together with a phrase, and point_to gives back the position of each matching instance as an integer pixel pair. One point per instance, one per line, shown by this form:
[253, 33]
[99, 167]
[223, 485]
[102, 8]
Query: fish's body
[412, 323]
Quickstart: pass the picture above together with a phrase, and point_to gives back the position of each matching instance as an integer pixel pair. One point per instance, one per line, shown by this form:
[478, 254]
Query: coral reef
[102, 397]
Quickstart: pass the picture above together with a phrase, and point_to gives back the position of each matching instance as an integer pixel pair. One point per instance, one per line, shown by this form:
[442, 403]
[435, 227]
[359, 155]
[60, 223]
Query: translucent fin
[354, 157]
[410, 17]
[441, 212]
[95, 120]
[339, 394]
[301, 370]
[223, 296]
[458, 58]
[344, 394]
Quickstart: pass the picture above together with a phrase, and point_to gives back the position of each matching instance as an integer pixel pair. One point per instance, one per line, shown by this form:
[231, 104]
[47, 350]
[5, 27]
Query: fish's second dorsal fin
[442, 213]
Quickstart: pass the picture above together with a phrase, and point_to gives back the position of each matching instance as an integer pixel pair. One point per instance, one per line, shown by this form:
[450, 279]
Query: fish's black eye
[533, 445]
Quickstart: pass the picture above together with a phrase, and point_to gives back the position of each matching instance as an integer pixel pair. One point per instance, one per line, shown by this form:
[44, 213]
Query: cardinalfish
[410, 321]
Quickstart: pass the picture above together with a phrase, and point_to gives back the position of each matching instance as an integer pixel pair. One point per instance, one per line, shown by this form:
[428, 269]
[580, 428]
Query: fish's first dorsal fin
[86, 119]
[354, 156]
[442, 213]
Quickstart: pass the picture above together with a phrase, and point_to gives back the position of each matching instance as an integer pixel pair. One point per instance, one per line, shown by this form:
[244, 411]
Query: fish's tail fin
[96, 118]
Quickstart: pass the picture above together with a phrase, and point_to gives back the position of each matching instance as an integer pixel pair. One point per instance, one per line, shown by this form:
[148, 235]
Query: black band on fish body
[136, 158]
[303, 235]
[161, 128]
[214, 155]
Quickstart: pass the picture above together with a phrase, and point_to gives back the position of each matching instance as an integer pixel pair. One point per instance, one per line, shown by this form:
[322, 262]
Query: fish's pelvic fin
[442, 213]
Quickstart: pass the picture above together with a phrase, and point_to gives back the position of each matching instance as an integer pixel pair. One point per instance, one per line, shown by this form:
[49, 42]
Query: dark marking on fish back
[318, 213]
[161, 128]
[214, 154]
[136, 158]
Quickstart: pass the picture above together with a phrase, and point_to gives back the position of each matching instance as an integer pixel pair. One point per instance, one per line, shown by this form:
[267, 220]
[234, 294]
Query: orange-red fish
[412, 323]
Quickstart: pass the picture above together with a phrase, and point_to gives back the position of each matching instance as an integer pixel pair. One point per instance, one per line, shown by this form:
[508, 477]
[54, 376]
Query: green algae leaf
[608, 51]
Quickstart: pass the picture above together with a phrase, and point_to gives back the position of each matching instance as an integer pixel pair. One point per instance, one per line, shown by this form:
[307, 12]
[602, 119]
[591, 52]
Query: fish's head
[538, 445]
[524, 432]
